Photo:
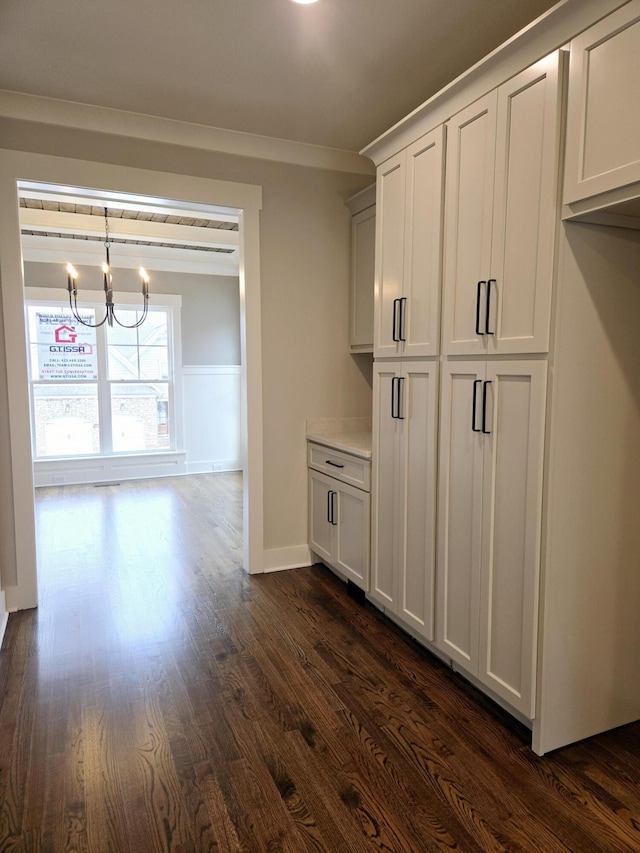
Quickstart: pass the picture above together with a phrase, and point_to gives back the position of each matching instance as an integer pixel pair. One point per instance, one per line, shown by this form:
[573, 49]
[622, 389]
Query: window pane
[139, 415]
[61, 348]
[154, 329]
[123, 362]
[154, 363]
[66, 420]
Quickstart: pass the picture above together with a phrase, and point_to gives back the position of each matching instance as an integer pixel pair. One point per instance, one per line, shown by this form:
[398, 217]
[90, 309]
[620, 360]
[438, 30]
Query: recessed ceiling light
[305, 1]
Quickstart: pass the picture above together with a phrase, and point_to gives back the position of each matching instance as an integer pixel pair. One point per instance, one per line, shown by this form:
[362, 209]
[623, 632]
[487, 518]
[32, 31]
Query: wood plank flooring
[160, 699]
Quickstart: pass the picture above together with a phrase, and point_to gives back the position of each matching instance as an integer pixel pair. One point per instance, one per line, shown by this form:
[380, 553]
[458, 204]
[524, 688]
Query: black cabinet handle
[401, 330]
[475, 405]
[484, 407]
[329, 506]
[335, 464]
[394, 333]
[393, 396]
[399, 388]
[478, 293]
[333, 509]
[486, 321]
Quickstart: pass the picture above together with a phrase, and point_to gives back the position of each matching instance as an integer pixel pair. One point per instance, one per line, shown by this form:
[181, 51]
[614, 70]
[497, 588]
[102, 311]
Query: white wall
[307, 368]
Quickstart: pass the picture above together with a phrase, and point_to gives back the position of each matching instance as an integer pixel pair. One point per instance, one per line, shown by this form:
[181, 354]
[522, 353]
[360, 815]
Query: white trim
[18, 166]
[281, 559]
[51, 294]
[17, 105]
[214, 466]
[211, 369]
[4, 617]
[550, 31]
[107, 469]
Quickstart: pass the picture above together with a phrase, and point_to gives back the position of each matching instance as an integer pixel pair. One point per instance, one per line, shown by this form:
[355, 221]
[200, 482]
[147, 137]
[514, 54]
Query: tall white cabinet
[463, 441]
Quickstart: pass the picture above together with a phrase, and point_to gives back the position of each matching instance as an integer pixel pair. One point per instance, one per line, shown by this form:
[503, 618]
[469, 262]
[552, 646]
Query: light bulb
[105, 268]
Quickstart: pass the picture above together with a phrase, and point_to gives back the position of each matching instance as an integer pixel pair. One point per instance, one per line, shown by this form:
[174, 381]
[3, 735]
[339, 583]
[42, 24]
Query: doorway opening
[111, 184]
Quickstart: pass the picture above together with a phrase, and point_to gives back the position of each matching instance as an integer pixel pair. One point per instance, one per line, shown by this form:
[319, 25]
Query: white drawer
[342, 466]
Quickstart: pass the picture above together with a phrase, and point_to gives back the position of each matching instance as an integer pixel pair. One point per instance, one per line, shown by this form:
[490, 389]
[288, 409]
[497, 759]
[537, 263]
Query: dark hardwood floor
[160, 699]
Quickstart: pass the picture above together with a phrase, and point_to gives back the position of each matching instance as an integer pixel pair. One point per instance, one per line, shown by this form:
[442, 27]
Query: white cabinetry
[363, 236]
[339, 513]
[500, 216]
[490, 505]
[408, 250]
[405, 397]
[603, 118]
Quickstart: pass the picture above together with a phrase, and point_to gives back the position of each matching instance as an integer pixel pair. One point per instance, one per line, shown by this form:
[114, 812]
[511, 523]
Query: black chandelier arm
[74, 310]
[139, 322]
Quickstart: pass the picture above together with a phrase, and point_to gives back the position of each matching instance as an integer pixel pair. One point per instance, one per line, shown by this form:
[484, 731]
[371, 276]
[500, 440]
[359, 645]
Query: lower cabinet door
[384, 472]
[322, 512]
[511, 530]
[404, 485]
[352, 545]
[460, 511]
[416, 503]
[491, 466]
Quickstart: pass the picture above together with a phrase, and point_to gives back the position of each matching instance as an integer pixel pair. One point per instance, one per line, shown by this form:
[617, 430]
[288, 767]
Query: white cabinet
[500, 216]
[363, 236]
[404, 489]
[408, 250]
[339, 515]
[603, 117]
[490, 503]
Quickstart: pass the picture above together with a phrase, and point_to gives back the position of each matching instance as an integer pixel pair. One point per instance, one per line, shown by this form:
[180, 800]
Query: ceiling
[337, 73]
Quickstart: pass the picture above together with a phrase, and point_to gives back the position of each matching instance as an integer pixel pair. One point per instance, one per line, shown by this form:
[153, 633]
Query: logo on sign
[65, 335]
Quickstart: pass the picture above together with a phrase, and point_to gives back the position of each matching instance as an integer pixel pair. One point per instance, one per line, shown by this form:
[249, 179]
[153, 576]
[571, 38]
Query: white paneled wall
[211, 398]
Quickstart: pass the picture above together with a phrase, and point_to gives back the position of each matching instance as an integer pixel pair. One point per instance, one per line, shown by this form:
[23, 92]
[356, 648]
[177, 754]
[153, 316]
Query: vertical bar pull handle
[484, 407]
[478, 294]
[333, 509]
[399, 387]
[393, 397]
[329, 506]
[394, 331]
[487, 315]
[402, 330]
[474, 406]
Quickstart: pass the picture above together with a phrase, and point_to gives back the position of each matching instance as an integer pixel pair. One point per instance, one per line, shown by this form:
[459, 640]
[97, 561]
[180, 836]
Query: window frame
[169, 303]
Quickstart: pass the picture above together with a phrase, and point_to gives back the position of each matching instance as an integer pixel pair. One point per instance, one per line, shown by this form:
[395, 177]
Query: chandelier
[110, 314]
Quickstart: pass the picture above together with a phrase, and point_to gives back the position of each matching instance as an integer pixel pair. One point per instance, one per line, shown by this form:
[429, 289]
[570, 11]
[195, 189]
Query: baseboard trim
[4, 617]
[213, 466]
[282, 559]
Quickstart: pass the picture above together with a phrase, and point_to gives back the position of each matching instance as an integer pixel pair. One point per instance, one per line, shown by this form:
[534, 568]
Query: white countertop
[357, 443]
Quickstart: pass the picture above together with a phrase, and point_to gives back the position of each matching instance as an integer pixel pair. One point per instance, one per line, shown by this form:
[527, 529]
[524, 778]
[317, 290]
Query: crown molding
[552, 30]
[17, 105]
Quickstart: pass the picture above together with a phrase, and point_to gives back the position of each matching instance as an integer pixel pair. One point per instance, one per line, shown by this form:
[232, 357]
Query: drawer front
[342, 466]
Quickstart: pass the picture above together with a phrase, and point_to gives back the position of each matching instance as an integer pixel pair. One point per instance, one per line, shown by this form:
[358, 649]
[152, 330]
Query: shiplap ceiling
[58, 228]
[337, 73]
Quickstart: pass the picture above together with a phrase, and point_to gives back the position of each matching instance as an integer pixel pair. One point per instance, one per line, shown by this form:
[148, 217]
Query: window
[100, 392]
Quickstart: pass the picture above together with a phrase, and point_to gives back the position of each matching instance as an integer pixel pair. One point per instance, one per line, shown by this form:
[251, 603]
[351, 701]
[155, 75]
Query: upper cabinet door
[520, 276]
[408, 250]
[420, 311]
[500, 214]
[603, 119]
[363, 240]
[471, 136]
[389, 264]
